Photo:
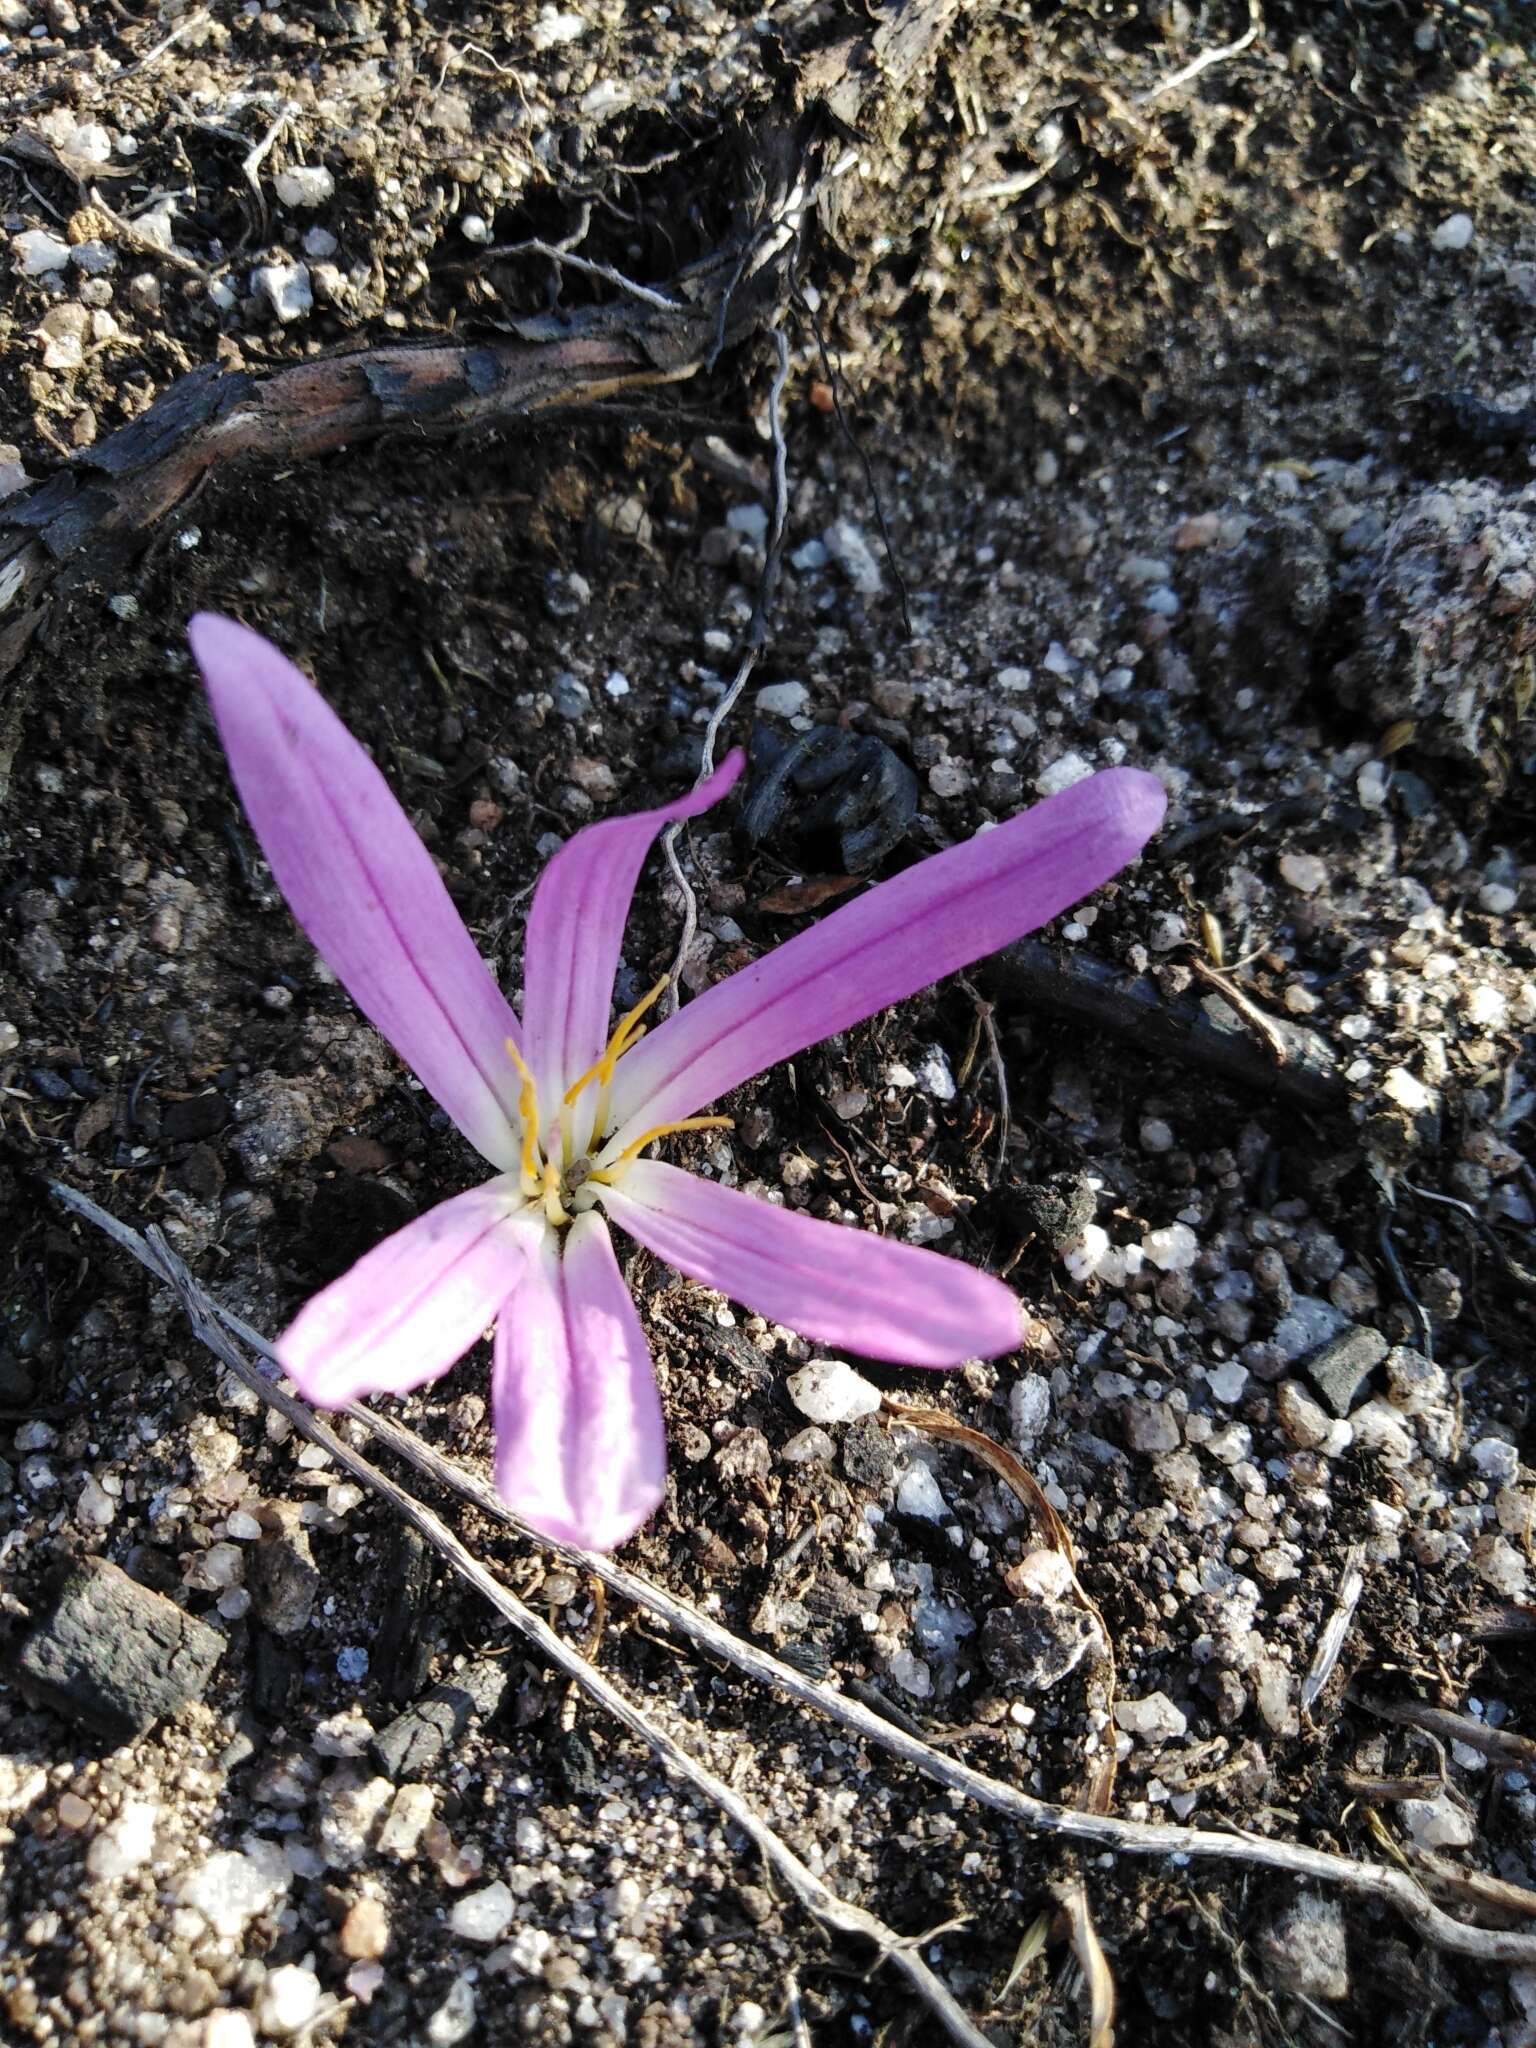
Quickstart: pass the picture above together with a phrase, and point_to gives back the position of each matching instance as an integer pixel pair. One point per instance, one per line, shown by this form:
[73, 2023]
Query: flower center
[562, 1185]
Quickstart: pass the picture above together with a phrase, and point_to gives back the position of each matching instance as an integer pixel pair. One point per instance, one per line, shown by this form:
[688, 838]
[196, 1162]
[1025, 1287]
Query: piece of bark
[412, 1743]
[115, 1656]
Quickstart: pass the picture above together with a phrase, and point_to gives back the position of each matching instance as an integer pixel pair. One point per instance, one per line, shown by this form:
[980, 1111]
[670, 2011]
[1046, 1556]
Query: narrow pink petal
[575, 930]
[901, 937]
[414, 1304]
[360, 882]
[581, 1448]
[835, 1284]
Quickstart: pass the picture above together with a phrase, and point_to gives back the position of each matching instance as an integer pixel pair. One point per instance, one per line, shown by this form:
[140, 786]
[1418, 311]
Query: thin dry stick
[1104, 1831]
[984, 1018]
[658, 301]
[1440, 1722]
[817, 1898]
[757, 635]
[1330, 1643]
[1205, 60]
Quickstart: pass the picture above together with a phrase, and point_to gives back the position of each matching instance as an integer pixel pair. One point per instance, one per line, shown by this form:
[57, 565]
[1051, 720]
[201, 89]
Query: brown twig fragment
[1446, 1726]
[1070, 983]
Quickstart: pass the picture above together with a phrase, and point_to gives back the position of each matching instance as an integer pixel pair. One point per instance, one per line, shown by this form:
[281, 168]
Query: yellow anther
[687, 1123]
[624, 1036]
[528, 1110]
[554, 1209]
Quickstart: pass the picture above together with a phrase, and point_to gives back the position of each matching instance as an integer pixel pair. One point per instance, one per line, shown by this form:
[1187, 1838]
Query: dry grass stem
[1041, 1817]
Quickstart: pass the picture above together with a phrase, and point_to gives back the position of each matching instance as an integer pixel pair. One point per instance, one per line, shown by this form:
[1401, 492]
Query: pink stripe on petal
[360, 882]
[576, 929]
[412, 1306]
[581, 1449]
[901, 937]
[833, 1283]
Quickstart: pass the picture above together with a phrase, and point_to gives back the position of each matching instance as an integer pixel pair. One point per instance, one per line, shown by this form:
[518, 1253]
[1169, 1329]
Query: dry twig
[1205, 60]
[1041, 1817]
[757, 636]
[839, 1914]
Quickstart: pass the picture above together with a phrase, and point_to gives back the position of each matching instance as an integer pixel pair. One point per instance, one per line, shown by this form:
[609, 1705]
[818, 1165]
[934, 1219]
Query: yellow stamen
[687, 1123]
[554, 1209]
[528, 1110]
[625, 1035]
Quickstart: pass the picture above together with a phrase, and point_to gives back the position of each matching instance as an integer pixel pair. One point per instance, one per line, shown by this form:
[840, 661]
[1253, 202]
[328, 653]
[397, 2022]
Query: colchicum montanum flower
[566, 1104]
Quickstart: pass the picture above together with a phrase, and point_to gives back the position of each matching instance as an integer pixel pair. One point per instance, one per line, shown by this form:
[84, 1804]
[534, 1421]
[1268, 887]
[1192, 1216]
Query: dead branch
[1068, 983]
[1393, 1888]
[105, 503]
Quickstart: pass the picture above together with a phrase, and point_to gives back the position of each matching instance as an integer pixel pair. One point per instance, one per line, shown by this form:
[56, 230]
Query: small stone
[1029, 1408]
[939, 1627]
[1496, 1459]
[280, 1574]
[847, 545]
[229, 2027]
[935, 1076]
[750, 522]
[1171, 1250]
[348, 1810]
[1407, 1091]
[1035, 1642]
[456, 2018]
[1453, 234]
[1227, 1382]
[282, 291]
[364, 1934]
[277, 1129]
[1304, 872]
[918, 1494]
[828, 1390]
[1152, 1719]
[784, 700]
[231, 1889]
[868, 1454]
[1060, 1210]
[911, 1674]
[1437, 1823]
[1308, 1323]
[553, 28]
[1305, 1424]
[1303, 1950]
[483, 1916]
[808, 1447]
[949, 777]
[38, 253]
[1340, 1369]
[125, 1844]
[304, 185]
[1273, 1687]
[116, 1656]
[1151, 1427]
[1062, 774]
[404, 1824]
[287, 2001]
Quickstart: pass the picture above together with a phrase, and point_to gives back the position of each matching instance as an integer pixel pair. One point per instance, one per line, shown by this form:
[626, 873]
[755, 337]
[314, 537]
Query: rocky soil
[1188, 425]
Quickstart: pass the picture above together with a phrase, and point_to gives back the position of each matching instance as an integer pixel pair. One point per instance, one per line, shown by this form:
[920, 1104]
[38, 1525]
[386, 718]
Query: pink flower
[563, 1104]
